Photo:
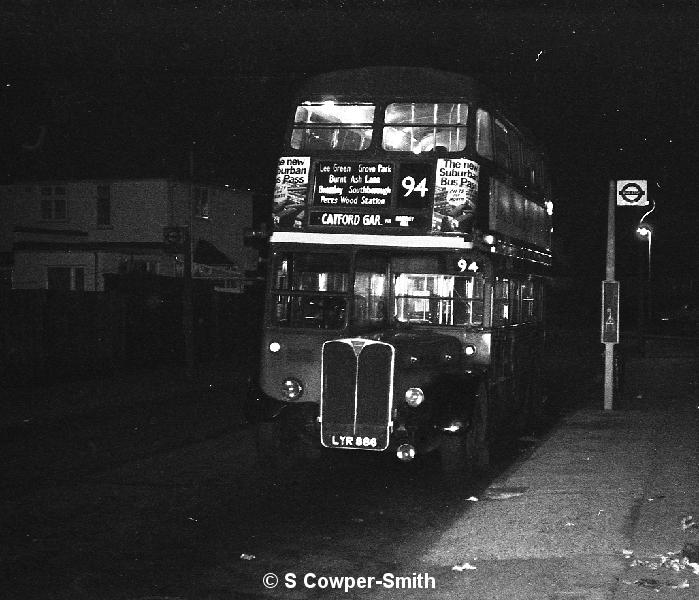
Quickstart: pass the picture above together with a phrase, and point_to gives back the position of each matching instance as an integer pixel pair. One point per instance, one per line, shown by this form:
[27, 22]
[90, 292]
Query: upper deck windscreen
[330, 126]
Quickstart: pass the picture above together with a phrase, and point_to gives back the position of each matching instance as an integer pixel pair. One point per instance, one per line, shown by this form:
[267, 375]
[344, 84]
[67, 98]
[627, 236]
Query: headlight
[470, 350]
[292, 389]
[275, 347]
[414, 397]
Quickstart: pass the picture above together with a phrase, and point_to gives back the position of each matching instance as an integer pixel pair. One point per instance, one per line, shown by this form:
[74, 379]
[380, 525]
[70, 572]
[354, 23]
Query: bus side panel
[514, 376]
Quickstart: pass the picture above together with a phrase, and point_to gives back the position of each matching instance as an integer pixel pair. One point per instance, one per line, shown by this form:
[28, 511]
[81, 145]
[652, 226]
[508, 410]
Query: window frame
[291, 297]
[434, 128]
[520, 309]
[484, 134]
[372, 303]
[477, 282]
[49, 198]
[304, 128]
[502, 149]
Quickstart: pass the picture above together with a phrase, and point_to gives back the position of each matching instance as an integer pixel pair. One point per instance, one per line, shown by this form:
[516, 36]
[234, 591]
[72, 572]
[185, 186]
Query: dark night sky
[125, 89]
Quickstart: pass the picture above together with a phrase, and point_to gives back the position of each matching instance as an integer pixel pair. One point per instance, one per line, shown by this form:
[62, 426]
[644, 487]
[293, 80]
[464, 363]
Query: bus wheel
[477, 439]
[463, 454]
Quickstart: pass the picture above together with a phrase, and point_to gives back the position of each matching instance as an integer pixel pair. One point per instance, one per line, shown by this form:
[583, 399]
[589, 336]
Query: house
[69, 234]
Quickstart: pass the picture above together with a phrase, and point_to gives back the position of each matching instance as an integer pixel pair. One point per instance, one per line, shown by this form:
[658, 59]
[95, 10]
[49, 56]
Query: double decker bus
[410, 248]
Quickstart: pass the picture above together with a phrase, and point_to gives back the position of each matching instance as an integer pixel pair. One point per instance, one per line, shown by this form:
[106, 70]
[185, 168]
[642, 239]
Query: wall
[7, 218]
[49, 336]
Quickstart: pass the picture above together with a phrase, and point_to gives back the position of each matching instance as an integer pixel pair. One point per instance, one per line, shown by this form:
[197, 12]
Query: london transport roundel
[632, 192]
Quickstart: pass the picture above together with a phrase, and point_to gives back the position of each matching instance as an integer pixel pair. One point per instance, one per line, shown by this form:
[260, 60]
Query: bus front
[379, 293]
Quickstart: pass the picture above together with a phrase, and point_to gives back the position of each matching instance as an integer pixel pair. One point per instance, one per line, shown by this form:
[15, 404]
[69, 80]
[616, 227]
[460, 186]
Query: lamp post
[644, 308]
[644, 230]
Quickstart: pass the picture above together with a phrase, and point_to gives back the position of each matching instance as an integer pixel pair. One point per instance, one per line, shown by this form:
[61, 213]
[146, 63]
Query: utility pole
[645, 314]
[187, 291]
[188, 305]
[610, 303]
[626, 192]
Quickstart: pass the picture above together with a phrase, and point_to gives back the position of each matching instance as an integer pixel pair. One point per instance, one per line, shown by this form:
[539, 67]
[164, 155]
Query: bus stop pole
[611, 252]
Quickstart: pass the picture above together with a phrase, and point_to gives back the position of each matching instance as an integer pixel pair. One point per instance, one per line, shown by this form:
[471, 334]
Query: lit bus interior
[313, 290]
[416, 128]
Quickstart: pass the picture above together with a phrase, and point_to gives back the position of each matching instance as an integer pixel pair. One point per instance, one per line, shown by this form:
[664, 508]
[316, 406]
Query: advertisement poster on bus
[290, 192]
[455, 195]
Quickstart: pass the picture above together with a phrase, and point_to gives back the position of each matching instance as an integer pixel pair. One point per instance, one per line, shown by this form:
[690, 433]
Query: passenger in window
[334, 313]
[439, 141]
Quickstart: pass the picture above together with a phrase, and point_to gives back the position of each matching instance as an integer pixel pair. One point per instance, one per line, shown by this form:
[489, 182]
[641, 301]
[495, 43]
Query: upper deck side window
[425, 127]
[511, 150]
[484, 134]
[332, 126]
[502, 143]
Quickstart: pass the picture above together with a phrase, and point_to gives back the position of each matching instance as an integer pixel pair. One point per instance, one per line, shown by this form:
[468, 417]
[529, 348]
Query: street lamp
[644, 230]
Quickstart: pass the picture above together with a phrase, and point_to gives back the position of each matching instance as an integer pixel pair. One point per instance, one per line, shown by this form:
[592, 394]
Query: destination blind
[347, 184]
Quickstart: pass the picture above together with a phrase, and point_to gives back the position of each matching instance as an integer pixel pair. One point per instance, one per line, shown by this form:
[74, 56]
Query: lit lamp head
[644, 230]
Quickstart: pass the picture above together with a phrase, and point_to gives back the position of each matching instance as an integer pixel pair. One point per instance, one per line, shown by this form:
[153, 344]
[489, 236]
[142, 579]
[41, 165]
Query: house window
[65, 278]
[104, 206]
[138, 265]
[201, 203]
[54, 205]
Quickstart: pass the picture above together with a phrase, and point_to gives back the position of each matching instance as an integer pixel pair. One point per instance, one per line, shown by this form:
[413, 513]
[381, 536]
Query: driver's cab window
[311, 290]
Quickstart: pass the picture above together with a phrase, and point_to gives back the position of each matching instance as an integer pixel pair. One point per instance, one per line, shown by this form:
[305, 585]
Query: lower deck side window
[516, 301]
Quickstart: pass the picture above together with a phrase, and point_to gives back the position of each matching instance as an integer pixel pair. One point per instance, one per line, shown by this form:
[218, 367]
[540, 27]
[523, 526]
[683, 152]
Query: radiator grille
[357, 391]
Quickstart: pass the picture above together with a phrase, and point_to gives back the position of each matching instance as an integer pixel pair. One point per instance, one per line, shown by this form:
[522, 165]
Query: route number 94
[410, 186]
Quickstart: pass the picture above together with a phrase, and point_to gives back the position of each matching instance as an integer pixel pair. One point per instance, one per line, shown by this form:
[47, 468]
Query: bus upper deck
[412, 152]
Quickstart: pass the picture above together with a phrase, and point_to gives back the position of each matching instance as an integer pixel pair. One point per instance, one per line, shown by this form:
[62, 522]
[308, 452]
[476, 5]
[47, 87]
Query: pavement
[605, 506]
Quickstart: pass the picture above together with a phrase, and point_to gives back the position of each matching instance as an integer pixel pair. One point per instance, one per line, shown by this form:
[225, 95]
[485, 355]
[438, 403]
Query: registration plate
[351, 441]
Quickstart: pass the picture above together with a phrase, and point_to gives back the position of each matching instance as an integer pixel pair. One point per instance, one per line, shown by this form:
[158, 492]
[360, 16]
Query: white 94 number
[410, 186]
